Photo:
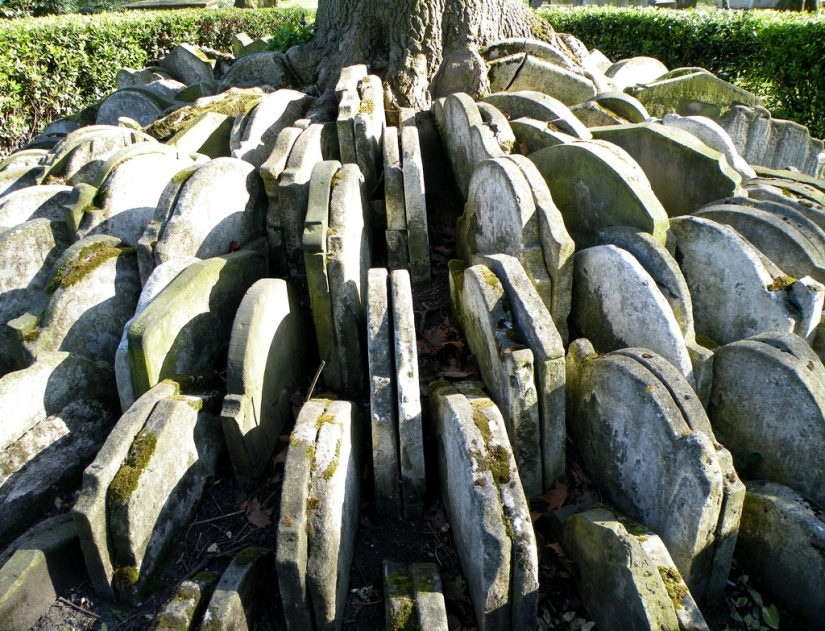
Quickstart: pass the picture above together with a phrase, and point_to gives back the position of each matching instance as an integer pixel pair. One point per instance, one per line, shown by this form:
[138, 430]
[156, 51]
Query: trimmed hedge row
[54, 66]
[779, 56]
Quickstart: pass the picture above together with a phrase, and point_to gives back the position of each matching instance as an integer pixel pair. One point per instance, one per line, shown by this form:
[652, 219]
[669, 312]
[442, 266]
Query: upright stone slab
[683, 172]
[185, 608]
[415, 204]
[768, 398]
[40, 567]
[506, 368]
[781, 533]
[595, 187]
[541, 107]
[536, 328]
[267, 363]
[501, 217]
[141, 105]
[276, 111]
[319, 514]
[218, 205]
[90, 512]
[12, 180]
[532, 135]
[186, 327]
[208, 134]
[313, 146]
[714, 136]
[458, 115]
[396, 235]
[158, 485]
[645, 457]
[734, 294]
[414, 595]
[616, 304]
[527, 72]
[383, 395]
[56, 413]
[188, 64]
[368, 128]
[634, 71]
[410, 428]
[91, 293]
[33, 202]
[238, 593]
[499, 125]
[348, 261]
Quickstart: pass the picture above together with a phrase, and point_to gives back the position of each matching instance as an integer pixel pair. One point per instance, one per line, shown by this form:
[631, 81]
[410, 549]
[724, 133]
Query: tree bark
[422, 49]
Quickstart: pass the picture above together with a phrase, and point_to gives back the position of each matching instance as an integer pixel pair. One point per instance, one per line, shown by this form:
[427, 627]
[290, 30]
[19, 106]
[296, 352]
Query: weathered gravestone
[239, 592]
[714, 136]
[33, 202]
[413, 597]
[635, 70]
[541, 107]
[319, 514]
[184, 609]
[137, 102]
[267, 363]
[188, 64]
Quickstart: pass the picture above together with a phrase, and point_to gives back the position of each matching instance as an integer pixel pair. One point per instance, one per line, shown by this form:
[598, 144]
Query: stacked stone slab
[138, 103]
[634, 71]
[486, 506]
[56, 414]
[501, 313]
[645, 437]
[626, 576]
[319, 514]
[144, 485]
[267, 363]
[337, 255]
[541, 107]
[509, 211]
[395, 403]
[714, 136]
[413, 597]
[238, 593]
[184, 610]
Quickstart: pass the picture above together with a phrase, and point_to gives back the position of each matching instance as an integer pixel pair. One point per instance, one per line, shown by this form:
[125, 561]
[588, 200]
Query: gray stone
[263, 124]
[319, 514]
[166, 88]
[592, 114]
[397, 249]
[90, 511]
[249, 45]
[714, 136]
[383, 395]
[394, 181]
[415, 203]
[683, 172]
[598, 58]
[541, 107]
[619, 584]
[691, 92]
[158, 486]
[218, 204]
[236, 598]
[348, 261]
[410, 427]
[188, 64]
[91, 293]
[127, 77]
[208, 134]
[791, 173]
[616, 304]
[763, 193]
[645, 457]
[33, 202]
[768, 399]
[734, 294]
[526, 72]
[782, 533]
[499, 125]
[266, 365]
[535, 326]
[414, 595]
[635, 70]
[348, 107]
[23, 158]
[349, 78]
[183, 611]
[532, 135]
[315, 144]
[622, 105]
[186, 327]
[765, 141]
[28, 252]
[142, 106]
[535, 47]
[39, 569]
[595, 187]
[368, 126]
[16, 178]
[799, 191]
[260, 69]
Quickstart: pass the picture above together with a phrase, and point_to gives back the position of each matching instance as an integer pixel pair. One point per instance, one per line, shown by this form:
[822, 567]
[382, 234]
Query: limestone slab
[184, 609]
[394, 181]
[238, 593]
[622, 105]
[532, 135]
[635, 70]
[12, 180]
[142, 106]
[207, 134]
[33, 202]
[595, 187]
[415, 204]
[594, 115]
[541, 107]
[266, 365]
[499, 125]
[397, 249]
[188, 63]
[186, 327]
[458, 114]
[368, 127]
[714, 136]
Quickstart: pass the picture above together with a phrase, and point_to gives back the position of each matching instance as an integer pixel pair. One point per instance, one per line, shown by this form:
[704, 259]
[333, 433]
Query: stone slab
[414, 595]
[368, 127]
[541, 107]
[394, 181]
[415, 203]
[185, 608]
[622, 105]
[458, 114]
[188, 64]
[267, 363]
[239, 592]
[260, 69]
[714, 136]
[635, 70]
[532, 135]
[142, 106]
[33, 202]
[499, 125]
[207, 134]
[12, 180]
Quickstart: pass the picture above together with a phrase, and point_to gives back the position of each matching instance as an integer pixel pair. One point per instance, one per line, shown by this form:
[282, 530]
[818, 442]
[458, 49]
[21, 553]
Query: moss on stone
[182, 176]
[490, 278]
[125, 576]
[247, 555]
[781, 283]
[87, 260]
[337, 179]
[126, 479]
[402, 618]
[333, 466]
[203, 381]
[194, 403]
[499, 464]
[705, 341]
[367, 107]
[233, 104]
[673, 584]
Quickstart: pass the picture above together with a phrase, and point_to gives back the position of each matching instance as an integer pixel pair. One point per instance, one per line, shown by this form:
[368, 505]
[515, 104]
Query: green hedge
[54, 66]
[780, 56]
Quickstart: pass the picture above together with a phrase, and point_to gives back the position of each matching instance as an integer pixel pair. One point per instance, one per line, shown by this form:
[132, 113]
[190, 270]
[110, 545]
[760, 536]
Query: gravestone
[635, 70]
[33, 202]
[239, 592]
[714, 136]
[414, 596]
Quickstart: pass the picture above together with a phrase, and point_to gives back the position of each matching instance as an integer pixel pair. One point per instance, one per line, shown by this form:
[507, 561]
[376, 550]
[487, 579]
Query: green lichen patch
[367, 107]
[490, 278]
[125, 576]
[337, 179]
[402, 618]
[126, 479]
[333, 466]
[233, 104]
[88, 259]
[499, 464]
[781, 283]
[194, 403]
[674, 585]
[247, 555]
[200, 382]
[705, 341]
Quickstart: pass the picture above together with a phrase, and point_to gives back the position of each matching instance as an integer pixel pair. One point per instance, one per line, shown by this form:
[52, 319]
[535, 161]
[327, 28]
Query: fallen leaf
[555, 547]
[212, 548]
[256, 515]
[281, 457]
[555, 497]
[234, 246]
[443, 250]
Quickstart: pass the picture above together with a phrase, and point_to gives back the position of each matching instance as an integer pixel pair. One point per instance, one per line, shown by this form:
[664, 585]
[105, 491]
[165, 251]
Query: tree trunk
[422, 49]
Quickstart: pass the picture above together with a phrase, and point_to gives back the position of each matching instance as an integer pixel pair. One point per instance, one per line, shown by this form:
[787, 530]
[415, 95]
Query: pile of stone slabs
[239, 592]
[395, 403]
[413, 597]
[267, 363]
[486, 506]
[319, 514]
[144, 485]
[521, 358]
[406, 205]
[337, 255]
[647, 441]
